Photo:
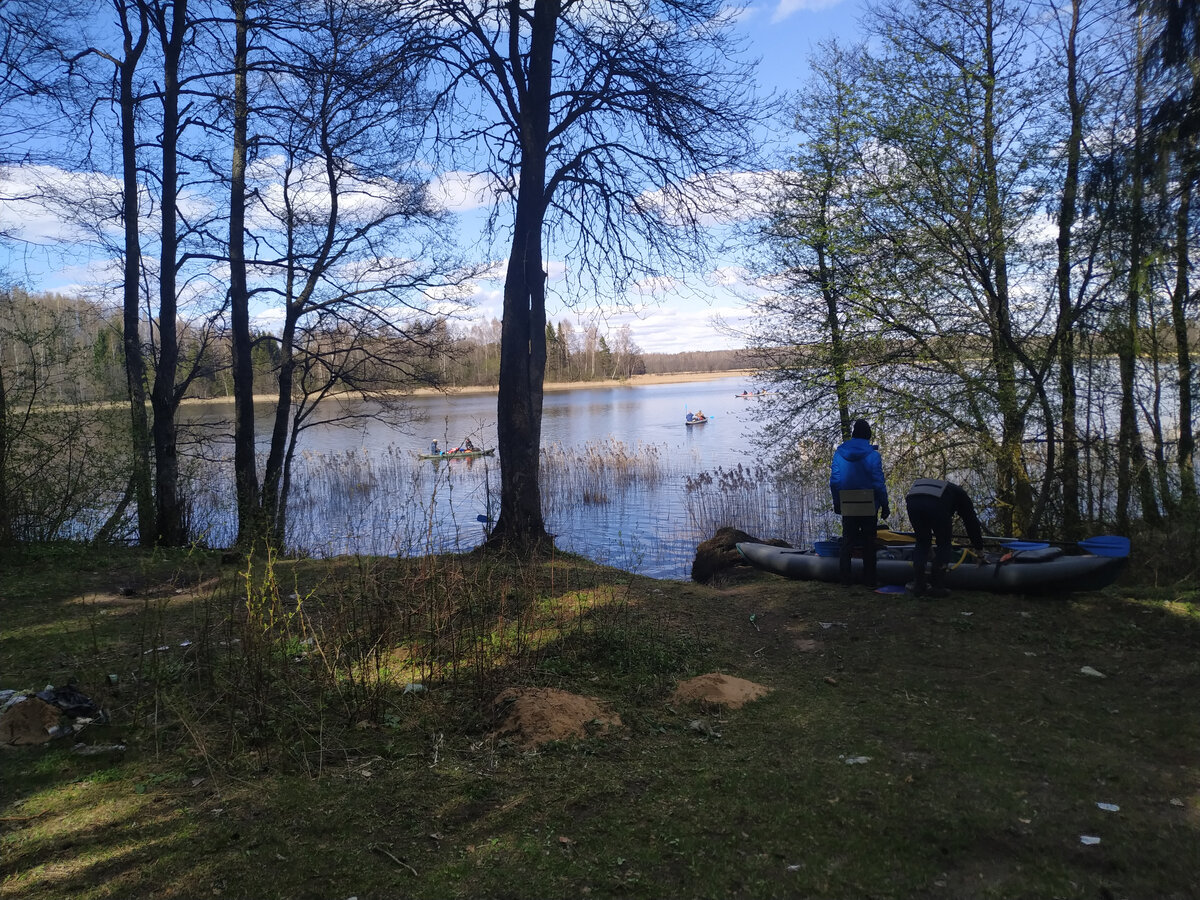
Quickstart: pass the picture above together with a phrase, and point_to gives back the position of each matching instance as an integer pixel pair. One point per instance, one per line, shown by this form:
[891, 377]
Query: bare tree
[345, 238]
[598, 122]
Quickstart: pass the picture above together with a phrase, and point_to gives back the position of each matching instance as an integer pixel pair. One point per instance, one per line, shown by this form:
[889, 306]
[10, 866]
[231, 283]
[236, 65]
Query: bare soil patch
[537, 715]
[720, 690]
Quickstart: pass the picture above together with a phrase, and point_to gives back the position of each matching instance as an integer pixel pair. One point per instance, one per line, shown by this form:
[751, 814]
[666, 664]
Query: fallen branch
[392, 857]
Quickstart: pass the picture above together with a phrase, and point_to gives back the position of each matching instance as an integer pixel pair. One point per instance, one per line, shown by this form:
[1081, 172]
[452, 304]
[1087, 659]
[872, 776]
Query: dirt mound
[534, 716]
[722, 690]
[719, 553]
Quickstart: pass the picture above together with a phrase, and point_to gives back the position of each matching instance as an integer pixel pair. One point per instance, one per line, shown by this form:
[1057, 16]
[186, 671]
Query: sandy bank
[635, 381]
[550, 386]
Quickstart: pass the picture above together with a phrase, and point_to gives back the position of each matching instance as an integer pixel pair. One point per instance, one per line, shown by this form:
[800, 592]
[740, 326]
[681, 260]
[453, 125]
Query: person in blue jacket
[857, 465]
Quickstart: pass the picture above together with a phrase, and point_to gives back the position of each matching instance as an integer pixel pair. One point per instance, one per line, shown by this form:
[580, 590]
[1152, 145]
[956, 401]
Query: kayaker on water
[932, 504]
[859, 494]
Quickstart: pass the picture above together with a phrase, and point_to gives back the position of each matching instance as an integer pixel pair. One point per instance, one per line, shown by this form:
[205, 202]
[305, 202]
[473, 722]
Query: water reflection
[621, 477]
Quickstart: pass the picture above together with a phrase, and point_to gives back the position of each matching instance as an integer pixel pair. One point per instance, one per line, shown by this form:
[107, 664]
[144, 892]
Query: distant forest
[75, 345]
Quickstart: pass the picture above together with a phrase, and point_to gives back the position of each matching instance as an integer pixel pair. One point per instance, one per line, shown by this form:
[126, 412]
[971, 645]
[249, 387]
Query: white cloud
[659, 285]
[463, 191]
[787, 8]
[722, 199]
[360, 200]
[48, 205]
[45, 204]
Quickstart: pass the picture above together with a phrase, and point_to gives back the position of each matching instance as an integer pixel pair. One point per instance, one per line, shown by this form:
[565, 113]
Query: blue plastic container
[828, 548]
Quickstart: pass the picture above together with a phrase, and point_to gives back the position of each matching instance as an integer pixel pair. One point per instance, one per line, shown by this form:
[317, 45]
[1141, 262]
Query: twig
[24, 818]
[378, 849]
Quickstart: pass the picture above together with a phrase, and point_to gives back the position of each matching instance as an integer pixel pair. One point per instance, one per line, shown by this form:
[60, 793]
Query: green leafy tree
[955, 185]
[804, 327]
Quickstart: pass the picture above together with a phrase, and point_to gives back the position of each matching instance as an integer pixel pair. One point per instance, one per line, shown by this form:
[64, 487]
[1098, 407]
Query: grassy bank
[328, 729]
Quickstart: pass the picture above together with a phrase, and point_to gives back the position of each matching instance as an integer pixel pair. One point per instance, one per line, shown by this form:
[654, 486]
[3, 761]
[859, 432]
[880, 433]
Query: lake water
[625, 481]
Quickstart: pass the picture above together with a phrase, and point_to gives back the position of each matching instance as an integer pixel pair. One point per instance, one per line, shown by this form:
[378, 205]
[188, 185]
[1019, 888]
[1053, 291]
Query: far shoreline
[635, 381]
[548, 387]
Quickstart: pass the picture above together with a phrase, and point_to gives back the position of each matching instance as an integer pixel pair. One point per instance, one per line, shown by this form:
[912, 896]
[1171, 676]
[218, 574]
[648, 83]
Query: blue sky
[679, 315]
[667, 317]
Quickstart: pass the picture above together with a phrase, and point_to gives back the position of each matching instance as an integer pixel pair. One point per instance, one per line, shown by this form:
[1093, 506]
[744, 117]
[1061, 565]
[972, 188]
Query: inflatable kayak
[458, 454]
[1038, 570]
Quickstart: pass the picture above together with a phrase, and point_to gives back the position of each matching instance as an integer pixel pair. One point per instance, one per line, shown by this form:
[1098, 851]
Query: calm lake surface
[624, 479]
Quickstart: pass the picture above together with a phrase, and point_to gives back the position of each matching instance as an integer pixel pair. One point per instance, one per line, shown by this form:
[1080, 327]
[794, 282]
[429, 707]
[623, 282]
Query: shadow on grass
[954, 748]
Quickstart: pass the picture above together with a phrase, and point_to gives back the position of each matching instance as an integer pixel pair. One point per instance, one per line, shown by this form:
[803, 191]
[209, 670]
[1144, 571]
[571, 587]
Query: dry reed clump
[586, 475]
[756, 500]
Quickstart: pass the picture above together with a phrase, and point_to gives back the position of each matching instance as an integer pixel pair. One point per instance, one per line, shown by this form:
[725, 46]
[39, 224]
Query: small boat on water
[458, 454]
[695, 419]
[1037, 569]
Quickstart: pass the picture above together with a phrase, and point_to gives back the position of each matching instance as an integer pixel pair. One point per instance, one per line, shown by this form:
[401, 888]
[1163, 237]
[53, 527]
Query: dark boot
[869, 578]
[937, 586]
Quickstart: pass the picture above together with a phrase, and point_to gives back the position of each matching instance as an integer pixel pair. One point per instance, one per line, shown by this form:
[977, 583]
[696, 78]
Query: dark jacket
[857, 465]
[952, 500]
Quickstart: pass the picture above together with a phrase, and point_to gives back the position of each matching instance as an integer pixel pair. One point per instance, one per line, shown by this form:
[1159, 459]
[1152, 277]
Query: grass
[277, 755]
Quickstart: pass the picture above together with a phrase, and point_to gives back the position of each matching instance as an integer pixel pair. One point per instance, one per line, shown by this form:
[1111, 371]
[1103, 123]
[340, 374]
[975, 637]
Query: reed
[760, 501]
[597, 472]
[649, 505]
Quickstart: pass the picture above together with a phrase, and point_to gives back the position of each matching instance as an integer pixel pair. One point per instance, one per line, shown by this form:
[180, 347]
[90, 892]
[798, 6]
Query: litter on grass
[1089, 840]
[1088, 670]
[1109, 807]
[37, 718]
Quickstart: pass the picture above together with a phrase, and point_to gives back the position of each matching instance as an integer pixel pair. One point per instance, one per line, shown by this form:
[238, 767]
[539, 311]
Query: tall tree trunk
[1132, 468]
[172, 527]
[135, 359]
[837, 344]
[1066, 308]
[6, 529]
[274, 480]
[1015, 495]
[1186, 448]
[523, 330]
[244, 464]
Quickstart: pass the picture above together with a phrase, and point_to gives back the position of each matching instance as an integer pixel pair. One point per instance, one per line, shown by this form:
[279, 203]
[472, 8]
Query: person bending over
[932, 504]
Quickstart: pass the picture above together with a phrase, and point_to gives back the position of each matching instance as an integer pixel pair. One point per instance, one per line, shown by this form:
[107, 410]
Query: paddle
[1100, 545]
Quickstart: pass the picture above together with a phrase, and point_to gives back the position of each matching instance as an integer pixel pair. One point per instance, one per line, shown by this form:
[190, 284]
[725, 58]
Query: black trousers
[858, 531]
[930, 521]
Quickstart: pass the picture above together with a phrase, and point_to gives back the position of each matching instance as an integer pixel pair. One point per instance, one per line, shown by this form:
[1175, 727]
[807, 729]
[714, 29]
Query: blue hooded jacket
[857, 465]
